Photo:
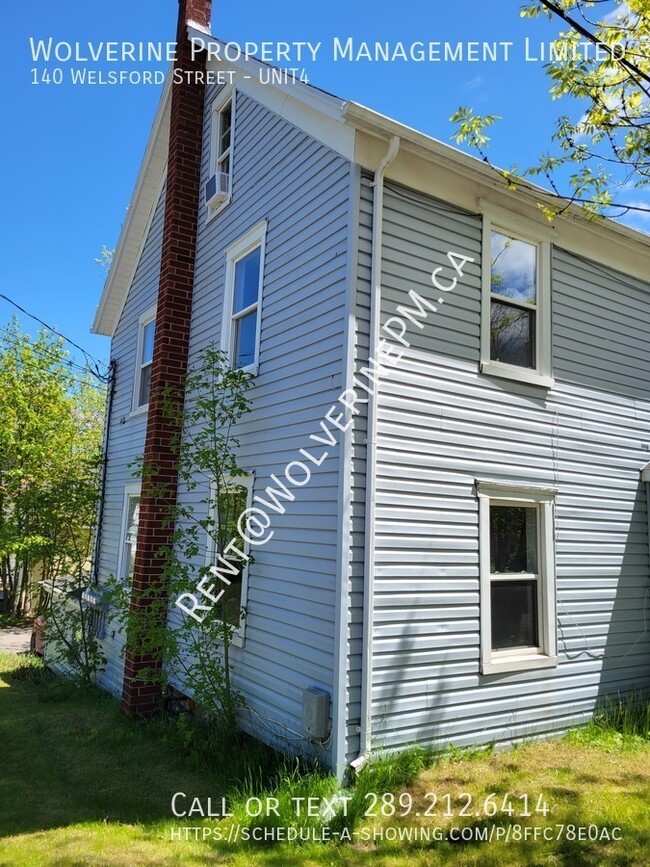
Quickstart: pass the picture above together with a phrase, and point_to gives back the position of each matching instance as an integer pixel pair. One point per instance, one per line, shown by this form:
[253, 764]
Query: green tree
[50, 448]
[198, 654]
[602, 60]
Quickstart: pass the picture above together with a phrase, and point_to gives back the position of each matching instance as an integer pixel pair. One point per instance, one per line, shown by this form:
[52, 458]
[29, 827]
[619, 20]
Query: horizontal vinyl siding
[126, 432]
[301, 189]
[441, 425]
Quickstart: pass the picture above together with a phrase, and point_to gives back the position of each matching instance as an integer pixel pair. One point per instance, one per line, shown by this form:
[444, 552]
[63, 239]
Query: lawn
[82, 785]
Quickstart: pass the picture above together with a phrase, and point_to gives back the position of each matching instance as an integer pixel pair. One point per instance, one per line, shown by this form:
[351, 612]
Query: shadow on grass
[69, 756]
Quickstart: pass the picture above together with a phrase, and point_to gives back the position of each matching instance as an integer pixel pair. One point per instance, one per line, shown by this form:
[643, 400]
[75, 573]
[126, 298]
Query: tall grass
[619, 720]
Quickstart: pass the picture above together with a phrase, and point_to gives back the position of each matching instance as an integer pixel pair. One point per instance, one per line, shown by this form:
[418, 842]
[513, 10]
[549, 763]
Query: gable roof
[321, 114]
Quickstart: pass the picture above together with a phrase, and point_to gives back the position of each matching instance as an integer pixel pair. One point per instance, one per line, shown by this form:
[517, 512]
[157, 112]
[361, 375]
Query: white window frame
[543, 498]
[147, 317]
[245, 245]
[226, 96]
[541, 237]
[247, 481]
[130, 491]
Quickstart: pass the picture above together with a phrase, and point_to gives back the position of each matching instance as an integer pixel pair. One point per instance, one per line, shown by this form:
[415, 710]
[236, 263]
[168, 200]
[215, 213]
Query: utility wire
[13, 341]
[94, 366]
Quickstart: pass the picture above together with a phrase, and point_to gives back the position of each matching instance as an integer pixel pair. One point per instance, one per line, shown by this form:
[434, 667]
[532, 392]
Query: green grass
[82, 785]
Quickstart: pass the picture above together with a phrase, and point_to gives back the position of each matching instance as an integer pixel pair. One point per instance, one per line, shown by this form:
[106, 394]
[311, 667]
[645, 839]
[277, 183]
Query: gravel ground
[14, 639]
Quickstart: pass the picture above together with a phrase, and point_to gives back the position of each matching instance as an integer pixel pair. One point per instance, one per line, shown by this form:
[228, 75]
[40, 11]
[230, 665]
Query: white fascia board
[138, 219]
[603, 240]
[316, 112]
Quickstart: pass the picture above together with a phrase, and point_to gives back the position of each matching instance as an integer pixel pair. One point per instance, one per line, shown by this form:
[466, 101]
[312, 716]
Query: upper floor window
[516, 305]
[224, 141]
[219, 186]
[144, 359]
[243, 299]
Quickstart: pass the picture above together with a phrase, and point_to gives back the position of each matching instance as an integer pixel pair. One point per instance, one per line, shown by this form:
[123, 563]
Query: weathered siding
[126, 430]
[301, 188]
[442, 424]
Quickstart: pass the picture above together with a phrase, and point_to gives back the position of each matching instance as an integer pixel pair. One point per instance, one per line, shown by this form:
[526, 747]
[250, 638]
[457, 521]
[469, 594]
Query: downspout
[371, 459]
[102, 484]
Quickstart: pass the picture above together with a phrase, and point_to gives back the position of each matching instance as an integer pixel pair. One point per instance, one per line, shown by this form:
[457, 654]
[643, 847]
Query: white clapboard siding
[442, 424]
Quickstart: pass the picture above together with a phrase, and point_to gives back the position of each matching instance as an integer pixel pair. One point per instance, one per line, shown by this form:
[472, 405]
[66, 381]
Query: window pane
[513, 539]
[512, 334]
[514, 614]
[148, 333]
[514, 268]
[247, 280]
[224, 165]
[232, 502]
[145, 385]
[245, 339]
[131, 536]
[224, 127]
[230, 505]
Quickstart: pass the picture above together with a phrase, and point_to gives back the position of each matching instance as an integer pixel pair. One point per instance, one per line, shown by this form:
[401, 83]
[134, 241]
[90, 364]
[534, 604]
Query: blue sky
[71, 153]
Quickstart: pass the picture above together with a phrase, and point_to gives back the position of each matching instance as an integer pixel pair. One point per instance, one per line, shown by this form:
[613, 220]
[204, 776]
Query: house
[465, 558]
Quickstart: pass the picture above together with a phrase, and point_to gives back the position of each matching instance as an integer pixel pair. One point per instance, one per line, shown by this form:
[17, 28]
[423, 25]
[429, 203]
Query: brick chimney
[169, 357]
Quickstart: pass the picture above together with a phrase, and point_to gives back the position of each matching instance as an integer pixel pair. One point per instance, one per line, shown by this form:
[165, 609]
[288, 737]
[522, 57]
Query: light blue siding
[301, 189]
[442, 424]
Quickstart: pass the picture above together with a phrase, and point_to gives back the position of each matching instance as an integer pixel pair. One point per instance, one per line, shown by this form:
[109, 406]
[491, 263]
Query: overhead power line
[94, 364]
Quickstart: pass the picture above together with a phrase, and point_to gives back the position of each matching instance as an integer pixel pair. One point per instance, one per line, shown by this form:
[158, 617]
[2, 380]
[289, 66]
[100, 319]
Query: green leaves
[471, 127]
[602, 63]
[50, 450]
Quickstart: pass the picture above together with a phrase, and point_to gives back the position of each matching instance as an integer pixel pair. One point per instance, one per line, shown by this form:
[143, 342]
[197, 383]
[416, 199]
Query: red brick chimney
[169, 357]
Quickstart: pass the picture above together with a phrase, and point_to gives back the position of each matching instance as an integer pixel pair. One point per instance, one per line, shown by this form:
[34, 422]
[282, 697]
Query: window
[222, 136]
[516, 314]
[144, 362]
[233, 498]
[244, 280]
[513, 300]
[129, 534]
[517, 577]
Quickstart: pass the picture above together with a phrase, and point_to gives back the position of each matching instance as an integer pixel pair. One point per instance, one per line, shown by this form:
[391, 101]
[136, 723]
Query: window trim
[505, 493]
[256, 237]
[521, 229]
[247, 481]
[225, 96]
[148, 316]
[129, 491]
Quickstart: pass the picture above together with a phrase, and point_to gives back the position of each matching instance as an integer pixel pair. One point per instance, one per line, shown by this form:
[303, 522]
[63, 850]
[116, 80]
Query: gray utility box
[315, 712]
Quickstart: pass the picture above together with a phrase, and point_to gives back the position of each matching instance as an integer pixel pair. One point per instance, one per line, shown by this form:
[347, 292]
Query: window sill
[518, 662]
[141, 410]
[212, 212]
[519, 374]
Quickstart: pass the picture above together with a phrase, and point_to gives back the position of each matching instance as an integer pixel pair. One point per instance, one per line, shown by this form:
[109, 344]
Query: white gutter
[371, 459]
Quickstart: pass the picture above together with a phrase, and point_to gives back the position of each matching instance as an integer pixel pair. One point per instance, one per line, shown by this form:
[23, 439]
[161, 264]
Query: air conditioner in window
[217, 189]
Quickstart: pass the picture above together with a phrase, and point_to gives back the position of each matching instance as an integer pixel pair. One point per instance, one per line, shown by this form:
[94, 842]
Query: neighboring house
[470, 561]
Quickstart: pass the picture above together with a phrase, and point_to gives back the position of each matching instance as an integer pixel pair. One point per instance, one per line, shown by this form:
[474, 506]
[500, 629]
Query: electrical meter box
[315, 712]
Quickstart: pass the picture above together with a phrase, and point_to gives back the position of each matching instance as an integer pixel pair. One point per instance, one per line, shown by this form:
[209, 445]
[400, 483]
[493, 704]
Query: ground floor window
[129, 534]
[230, 499]
[517, 576]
